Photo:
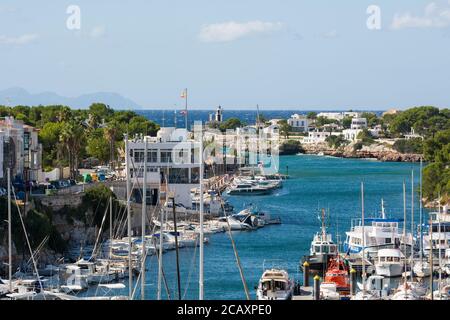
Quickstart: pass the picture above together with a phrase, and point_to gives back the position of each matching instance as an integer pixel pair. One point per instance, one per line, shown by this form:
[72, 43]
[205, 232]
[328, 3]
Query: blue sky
[278, 54]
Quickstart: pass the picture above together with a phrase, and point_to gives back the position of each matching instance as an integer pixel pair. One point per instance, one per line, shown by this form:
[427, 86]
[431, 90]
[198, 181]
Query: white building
[172, 159]
[21, 150]
[274, 121]
[413, 135]
[315, 137]
[351, 134]
[299, 123]
[359, 123]
[339, 116]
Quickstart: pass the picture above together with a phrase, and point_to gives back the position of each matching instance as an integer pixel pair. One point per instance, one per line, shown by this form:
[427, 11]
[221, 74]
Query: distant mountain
[19, 96]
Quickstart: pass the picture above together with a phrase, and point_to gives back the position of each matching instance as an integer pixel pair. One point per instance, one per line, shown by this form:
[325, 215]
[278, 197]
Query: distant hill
[19, 96]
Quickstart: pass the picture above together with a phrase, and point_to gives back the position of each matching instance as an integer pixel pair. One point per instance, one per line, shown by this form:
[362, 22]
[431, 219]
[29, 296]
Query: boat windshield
[273, 285]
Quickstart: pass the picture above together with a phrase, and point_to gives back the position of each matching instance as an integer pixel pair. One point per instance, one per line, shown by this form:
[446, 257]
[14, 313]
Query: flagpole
[186, 108]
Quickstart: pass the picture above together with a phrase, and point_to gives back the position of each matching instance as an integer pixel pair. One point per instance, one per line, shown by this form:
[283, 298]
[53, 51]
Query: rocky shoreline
[378, 152]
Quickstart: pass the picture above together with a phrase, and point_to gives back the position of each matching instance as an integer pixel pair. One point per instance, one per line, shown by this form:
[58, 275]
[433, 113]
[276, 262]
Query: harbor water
[315, 182]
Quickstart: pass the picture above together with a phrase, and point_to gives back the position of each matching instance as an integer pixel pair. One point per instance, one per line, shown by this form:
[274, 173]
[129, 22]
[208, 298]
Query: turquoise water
[315, 182]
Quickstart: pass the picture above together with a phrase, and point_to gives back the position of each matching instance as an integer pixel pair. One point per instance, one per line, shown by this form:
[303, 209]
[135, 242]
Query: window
[138, 156]
[152, 156]
[387, 241]
[179, 175]
[166, 156]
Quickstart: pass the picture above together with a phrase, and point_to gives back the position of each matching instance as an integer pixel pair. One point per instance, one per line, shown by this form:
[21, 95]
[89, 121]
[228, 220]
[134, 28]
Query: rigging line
[238, 261]
[144, 257]
[194, 256]
[121, 227]
[93, 254]
[28, 242]
[38, 249]
[166, 285]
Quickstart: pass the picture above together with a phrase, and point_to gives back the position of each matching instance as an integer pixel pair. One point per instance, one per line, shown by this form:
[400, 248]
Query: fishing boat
[275, 284]
[322, 249]
[389, 263]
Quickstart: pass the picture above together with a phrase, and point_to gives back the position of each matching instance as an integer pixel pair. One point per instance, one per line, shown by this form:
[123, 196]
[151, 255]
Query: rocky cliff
[375, 151]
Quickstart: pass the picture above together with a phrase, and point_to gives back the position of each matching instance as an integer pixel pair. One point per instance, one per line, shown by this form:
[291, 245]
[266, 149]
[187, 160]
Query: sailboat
[405, 290]
[363, 294]
[421, 267]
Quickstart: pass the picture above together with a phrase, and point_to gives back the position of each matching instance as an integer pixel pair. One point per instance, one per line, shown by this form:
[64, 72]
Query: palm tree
[64, 114]
[72, 137]
[110, 133]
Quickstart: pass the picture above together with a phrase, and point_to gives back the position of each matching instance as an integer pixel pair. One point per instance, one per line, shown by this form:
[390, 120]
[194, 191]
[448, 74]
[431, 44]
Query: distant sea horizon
[167, 118]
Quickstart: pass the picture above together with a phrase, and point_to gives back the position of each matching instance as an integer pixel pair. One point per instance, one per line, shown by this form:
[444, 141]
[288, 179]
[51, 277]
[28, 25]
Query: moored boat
[275, 284]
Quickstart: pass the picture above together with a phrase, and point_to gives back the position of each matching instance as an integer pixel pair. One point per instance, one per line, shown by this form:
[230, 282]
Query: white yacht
[234, 224]
[390, 263]
[379, 233]
[275, 284]
[247, 188]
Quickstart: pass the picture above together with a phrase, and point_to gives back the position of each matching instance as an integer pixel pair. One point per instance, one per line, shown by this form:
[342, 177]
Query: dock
[306, 293]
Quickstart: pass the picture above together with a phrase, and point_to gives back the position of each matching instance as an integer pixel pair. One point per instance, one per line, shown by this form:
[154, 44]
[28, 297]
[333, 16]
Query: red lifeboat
[337, 273]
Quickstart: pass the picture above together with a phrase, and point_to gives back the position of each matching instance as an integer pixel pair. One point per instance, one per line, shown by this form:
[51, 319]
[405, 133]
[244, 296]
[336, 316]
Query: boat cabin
[390, 256]
[323, 245]
[274, 280]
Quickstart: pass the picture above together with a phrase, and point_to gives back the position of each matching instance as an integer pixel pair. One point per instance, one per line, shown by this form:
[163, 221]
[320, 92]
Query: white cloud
[19, 40]
[98, 32]
[433, 17]
[230, 31]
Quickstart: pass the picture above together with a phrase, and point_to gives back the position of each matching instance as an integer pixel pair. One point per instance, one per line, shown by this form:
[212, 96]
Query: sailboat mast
[9, 231]
[404, 229]
[201, 253]
[161, 229]
[186, 108]
[143, 219]
[110, 225]
[421, 216]
[439, 248]
[174, 211]
[412, 223]
[364, 240]
[130, 271]
[323, 225]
